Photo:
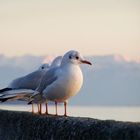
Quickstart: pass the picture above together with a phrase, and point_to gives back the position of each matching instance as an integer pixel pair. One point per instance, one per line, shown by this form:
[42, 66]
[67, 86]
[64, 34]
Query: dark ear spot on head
[42, 67]
[70, 57]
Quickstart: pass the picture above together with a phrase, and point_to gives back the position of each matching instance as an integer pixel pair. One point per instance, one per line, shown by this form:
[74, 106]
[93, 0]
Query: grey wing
[17, 94]
[49, 77]
[30, 81]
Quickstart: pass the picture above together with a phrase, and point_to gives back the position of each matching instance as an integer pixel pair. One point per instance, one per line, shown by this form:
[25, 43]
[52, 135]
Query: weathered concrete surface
[25, 126]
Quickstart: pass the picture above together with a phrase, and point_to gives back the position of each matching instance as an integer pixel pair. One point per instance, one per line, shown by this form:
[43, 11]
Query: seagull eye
[70, 57]
[77, 57]
[42, 67]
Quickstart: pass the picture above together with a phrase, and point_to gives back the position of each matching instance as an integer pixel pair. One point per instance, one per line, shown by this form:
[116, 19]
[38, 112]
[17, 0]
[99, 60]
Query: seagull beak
[86, 62]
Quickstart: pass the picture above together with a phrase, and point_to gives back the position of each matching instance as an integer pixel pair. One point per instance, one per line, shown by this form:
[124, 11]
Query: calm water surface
[114, 113]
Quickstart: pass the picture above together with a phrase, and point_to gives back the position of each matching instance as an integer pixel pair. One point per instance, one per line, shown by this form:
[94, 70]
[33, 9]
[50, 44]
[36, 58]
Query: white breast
[68, 84]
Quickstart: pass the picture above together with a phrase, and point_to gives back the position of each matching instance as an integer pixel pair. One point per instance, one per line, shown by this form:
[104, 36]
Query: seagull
[22, 88]
[61, 83]
[29, 81]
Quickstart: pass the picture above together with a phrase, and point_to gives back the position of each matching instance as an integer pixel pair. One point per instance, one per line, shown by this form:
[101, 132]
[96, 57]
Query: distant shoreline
[101, 112]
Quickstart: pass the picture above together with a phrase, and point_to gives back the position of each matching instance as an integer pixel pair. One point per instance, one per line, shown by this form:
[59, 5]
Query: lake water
[113, 113]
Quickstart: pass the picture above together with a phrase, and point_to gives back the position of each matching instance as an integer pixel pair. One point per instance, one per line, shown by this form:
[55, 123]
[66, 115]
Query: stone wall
[26, 126]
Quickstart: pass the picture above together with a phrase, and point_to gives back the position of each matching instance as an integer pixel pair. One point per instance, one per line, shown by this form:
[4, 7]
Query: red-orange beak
[86, 62]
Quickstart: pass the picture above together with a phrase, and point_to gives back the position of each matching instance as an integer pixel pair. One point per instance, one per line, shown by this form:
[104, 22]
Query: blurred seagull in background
[56, 62]
[30, 81]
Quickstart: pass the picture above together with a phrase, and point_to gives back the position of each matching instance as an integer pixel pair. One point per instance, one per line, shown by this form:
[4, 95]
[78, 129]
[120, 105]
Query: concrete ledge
[25, 126]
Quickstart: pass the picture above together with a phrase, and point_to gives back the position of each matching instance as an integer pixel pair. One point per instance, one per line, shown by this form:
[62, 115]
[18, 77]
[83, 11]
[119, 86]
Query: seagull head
[56, 62]
[44, 67]
[74, 57]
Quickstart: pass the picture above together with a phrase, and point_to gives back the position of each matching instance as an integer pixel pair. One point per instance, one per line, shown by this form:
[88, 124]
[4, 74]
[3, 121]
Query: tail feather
[30, 102]
[5, 89]
[19, 94]
[6, 99]
[13, 97]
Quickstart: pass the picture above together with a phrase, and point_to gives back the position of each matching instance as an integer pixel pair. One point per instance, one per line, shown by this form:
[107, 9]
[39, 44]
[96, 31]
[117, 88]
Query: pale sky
[94, 27]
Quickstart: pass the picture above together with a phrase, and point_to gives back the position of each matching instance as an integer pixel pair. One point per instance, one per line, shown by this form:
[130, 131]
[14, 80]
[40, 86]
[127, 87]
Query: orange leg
[38, 106]
[65, 108]
[40, 109]
[46, 108]
[32, 108]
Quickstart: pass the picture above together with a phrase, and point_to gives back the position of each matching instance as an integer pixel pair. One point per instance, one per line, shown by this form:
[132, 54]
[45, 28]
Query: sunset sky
[94, 27]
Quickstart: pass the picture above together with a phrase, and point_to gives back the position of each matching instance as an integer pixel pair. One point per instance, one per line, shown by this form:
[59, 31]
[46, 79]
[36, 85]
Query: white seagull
[61, 83]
